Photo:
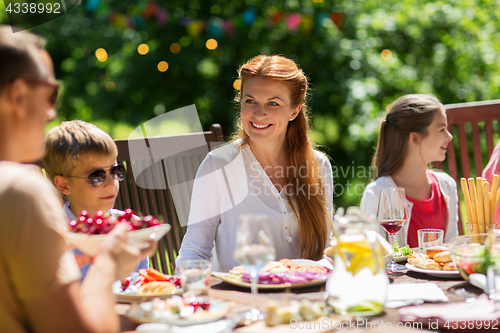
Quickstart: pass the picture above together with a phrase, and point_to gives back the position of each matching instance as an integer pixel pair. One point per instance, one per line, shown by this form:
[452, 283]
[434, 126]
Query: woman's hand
[125, 256]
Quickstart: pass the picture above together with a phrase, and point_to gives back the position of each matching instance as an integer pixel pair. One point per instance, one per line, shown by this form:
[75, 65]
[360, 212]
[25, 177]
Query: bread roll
[414, 257]
[156, 288]
[433, 250]
[330, 251]
[427, 264]
[443, 257]
[448, 266]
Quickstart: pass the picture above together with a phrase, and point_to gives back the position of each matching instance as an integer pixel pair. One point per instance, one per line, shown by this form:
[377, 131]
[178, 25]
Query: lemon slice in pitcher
[356, 253]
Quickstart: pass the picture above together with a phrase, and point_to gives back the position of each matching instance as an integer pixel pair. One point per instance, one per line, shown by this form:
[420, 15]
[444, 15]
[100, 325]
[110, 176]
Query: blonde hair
[407, 114]
[67, 145]
[310, 210]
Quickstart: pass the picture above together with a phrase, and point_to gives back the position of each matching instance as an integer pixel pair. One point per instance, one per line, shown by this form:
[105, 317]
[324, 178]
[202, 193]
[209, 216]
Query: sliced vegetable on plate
[146, 284]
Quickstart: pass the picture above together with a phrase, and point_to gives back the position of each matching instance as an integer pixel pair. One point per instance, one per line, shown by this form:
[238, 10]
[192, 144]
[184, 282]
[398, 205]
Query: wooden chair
[159, 180]
[475, 127]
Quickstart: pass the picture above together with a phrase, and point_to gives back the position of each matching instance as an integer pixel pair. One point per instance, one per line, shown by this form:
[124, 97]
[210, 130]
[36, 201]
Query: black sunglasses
[53, 93]
[97, 177]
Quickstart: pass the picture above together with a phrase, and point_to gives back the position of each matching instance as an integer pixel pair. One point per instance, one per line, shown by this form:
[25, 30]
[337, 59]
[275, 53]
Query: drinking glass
[428, 238]
[392, 216]
[254, 248]
[195, 278]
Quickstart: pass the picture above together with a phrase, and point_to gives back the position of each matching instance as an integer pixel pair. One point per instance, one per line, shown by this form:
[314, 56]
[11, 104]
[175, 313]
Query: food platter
[91, 244]
[144, 313]
[433, 272]
[226, 278]
[231, 279]
[137, 298]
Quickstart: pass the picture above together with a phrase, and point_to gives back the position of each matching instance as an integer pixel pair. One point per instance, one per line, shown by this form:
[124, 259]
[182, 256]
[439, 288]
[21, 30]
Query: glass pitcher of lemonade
[358, 284]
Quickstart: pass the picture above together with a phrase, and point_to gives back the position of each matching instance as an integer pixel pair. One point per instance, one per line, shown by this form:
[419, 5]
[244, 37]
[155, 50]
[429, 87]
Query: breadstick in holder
[465, 191]
[474, 204]
[486, 202]
[480, 205]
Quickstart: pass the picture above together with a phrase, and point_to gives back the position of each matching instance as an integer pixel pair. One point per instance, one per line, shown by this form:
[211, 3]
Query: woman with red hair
[270, 167]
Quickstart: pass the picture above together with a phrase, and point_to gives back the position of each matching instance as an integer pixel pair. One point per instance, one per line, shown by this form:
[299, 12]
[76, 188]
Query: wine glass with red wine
[392, 216]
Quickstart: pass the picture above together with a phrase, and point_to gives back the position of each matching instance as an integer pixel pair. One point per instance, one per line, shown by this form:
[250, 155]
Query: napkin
[319, 325]
[481, 309]
[326, 263]
[479, 280]
[407, 292]
[219, 326]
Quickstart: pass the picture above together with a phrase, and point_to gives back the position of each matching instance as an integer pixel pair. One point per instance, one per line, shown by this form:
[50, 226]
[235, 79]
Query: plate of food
[276, 275]
[177, 311]
[146, 285]
[433, 272]
[88, 232]
[436, 262]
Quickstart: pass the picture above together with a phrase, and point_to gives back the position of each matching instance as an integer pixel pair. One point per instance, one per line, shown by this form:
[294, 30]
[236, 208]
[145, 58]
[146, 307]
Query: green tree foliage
[374, 52]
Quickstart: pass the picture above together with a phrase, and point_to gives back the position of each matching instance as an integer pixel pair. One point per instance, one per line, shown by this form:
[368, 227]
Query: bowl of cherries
[88, 232]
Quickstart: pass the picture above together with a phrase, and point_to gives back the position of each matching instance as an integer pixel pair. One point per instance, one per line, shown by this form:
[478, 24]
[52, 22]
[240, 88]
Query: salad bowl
[475, 253]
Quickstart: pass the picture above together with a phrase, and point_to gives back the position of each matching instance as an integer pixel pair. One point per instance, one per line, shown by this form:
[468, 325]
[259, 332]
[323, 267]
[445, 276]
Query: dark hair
[19, 55]
[407, 114]
[310, 210]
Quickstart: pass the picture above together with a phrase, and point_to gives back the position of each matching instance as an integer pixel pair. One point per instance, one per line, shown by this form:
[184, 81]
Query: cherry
[103, 222]
[73, 224]
[126, 283]
[128, 214]
[99, 214]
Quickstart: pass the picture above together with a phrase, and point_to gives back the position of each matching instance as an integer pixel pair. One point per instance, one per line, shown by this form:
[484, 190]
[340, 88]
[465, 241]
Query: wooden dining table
[241, 298]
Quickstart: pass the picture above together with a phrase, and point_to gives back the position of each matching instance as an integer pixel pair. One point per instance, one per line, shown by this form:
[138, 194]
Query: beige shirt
[34, 256]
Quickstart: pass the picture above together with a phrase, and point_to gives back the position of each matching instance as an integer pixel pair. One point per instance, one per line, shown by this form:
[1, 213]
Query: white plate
[91, 244]
[132, 298]
[225, 277]
[217, 311]
[433, 272]
[400, 259]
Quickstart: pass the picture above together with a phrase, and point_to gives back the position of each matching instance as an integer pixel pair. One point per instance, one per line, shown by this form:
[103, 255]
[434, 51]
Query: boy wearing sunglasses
[80, 159]
[40, 288]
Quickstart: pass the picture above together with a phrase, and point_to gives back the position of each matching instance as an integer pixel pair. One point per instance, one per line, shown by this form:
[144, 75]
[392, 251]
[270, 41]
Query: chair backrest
[474, 126]
[159, 180]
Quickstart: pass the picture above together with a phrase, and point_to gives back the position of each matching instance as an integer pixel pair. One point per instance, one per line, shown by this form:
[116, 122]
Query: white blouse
[231, 182]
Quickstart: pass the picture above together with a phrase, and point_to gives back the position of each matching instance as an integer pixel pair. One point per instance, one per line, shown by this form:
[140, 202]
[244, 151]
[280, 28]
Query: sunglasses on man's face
[97, 177]
[54, 91]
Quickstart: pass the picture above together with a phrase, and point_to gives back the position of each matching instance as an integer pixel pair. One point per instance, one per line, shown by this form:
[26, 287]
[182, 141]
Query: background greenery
[446, 48]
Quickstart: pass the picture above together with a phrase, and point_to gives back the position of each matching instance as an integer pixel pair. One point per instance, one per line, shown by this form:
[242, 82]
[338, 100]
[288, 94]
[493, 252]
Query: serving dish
[91, 244]
[433, 272]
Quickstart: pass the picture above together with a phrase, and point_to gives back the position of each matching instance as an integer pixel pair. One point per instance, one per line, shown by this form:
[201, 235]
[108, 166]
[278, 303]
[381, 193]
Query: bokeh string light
[162, 66]
[143, 49]
[101, 55]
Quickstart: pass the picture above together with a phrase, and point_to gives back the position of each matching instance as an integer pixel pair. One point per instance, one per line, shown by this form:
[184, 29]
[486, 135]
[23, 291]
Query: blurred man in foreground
[39, 278]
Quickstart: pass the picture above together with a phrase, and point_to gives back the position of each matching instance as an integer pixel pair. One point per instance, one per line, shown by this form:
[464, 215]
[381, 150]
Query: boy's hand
[125, 256]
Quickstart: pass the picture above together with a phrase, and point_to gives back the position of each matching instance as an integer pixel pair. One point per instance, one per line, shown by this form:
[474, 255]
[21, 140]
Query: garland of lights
[216, 26]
